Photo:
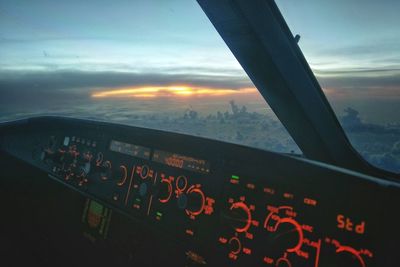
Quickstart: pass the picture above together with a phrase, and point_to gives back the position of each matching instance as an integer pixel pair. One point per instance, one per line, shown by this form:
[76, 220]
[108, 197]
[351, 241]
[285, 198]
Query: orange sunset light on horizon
[171, 91]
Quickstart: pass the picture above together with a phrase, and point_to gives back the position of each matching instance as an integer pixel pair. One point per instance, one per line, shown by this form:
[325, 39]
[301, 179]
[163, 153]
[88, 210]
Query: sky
[53, 48]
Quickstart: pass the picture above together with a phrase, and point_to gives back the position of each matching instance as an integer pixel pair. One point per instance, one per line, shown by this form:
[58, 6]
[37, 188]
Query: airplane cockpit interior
[200, 133]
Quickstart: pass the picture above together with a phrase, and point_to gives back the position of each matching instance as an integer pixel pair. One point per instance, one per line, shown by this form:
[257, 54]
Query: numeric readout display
[181, 161]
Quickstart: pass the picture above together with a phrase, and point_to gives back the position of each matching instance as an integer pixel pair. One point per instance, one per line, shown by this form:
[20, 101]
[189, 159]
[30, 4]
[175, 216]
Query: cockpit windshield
[157, 64]
[161, 64]
[353, 48]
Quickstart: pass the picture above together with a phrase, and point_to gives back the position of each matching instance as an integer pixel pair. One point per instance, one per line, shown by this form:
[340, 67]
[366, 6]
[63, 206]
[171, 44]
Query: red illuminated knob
[144, 172]
[181, 183]
[196, 201]
[121, 175]
[285, 232]
[235, 245]
[164, 190]
[239, 217]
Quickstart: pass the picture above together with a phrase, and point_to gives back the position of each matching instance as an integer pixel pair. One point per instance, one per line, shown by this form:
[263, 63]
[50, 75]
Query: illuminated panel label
[130, 149]
[181, 162]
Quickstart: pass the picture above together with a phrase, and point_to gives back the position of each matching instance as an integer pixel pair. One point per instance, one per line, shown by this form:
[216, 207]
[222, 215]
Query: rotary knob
[235, 245]
[239, 217]
[285, 233]
[144, 172]
[164, 190]
[121, 174]
[195, 201]
[105, 170]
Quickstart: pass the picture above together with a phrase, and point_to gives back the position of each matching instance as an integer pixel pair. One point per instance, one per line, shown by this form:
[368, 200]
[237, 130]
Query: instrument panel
[226, 204]
[159, 186]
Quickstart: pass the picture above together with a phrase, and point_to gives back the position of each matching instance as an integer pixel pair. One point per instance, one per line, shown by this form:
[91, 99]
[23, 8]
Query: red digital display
[181, 161]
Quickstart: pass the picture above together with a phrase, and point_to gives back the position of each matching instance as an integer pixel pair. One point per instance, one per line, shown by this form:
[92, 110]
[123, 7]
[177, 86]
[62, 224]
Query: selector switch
[164, 190]
[105, 170]
[144, 172]
[196, 201]
[121, 174]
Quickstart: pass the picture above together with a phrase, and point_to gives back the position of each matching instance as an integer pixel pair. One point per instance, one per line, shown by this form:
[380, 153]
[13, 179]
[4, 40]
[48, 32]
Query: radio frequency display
[130, 149]
[181, 161]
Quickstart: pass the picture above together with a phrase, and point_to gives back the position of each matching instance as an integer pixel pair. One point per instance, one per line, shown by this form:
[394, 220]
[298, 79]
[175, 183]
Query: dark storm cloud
[71, 79]
[359, 72]
[360, 79]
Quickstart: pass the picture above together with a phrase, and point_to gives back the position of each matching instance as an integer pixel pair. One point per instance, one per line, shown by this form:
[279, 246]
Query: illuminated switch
[223, 240]
[309, 201]
[249, 236]
[247, 251]
[251, 186]
[288, 195]
[232, 256]
[158, 216]
[268, 260]
[234, 181]
[189, 232]
[269, 191]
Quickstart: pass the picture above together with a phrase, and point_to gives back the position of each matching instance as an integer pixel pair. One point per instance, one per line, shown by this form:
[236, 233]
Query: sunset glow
[170, 91]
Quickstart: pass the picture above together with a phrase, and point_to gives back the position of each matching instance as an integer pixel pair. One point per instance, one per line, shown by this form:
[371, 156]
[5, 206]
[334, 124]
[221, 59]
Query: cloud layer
[72, 79]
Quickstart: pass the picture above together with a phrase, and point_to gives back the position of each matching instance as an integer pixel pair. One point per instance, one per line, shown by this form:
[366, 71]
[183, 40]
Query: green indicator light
[96, 208]
[235, 177]
[159, 214]
[138, 200]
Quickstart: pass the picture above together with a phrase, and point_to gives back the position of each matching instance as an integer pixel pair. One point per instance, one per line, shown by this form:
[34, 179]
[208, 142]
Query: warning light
[235, 177]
